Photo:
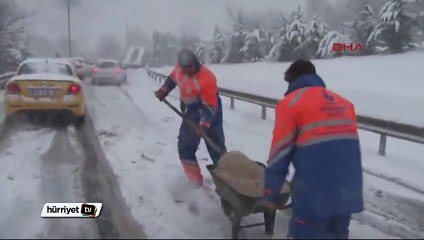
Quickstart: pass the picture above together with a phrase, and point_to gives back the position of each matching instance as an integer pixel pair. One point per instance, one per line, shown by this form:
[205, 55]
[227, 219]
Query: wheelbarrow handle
[192, 124]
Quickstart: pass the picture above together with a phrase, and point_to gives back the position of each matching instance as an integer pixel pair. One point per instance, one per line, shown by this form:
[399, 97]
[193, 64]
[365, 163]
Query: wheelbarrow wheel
[269, 217]
[235, 221]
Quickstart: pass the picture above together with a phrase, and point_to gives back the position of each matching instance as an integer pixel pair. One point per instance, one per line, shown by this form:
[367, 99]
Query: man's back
[327, 158]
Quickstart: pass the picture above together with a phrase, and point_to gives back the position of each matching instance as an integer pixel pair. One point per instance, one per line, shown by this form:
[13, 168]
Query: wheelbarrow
[240, 190]
[246, 200]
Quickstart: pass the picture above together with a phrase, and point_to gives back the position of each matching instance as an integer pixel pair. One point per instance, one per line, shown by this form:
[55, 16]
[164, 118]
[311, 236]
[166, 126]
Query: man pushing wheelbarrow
[315, 130]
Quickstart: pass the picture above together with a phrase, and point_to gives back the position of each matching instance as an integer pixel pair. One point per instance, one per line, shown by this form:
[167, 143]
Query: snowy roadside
[380, 86]
[139, 137]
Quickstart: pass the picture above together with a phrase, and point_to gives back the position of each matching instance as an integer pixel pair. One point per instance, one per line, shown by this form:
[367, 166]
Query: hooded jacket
[316, 130]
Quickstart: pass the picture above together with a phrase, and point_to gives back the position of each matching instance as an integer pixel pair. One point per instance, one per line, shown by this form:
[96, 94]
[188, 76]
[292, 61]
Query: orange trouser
[192, 170]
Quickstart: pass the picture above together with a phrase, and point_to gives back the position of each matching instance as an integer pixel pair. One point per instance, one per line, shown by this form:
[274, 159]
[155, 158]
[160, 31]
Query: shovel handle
[192, 124]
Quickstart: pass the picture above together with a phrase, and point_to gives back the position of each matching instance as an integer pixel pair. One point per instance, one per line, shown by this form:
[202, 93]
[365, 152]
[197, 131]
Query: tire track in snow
[21, 202]
[62, 165]
[394, 180]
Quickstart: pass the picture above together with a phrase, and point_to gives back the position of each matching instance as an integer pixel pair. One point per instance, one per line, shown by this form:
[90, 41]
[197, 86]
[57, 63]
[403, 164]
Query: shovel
[192, 124]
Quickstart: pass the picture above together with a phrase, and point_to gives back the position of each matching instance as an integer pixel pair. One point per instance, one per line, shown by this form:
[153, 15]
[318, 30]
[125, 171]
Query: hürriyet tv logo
[90, 210]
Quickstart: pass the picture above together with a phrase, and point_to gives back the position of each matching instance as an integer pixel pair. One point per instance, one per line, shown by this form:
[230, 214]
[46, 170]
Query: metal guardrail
[382, 127]
[4, 78]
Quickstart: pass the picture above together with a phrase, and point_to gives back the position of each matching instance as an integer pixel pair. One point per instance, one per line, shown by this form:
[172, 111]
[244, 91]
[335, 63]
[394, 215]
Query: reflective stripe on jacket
[316, 130]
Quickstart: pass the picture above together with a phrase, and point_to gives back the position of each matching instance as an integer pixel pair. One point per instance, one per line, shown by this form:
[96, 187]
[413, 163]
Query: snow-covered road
[139, 137]
[41, 165]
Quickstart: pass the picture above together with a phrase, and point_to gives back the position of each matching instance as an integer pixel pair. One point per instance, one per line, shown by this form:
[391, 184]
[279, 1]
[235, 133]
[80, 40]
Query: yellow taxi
[45, 85]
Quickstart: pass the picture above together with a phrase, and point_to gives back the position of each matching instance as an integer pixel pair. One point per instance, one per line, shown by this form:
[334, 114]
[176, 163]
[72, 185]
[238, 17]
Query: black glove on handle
[160, 94]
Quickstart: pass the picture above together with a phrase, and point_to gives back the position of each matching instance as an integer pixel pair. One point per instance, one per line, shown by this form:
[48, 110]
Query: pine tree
[393, 29]
[12, 46]
[253, 42]
[315, 32]
[233, 52]
[216, 47]
[363, 25]
[199, 51]
[296, 35]
[325, 48]
[279, 50]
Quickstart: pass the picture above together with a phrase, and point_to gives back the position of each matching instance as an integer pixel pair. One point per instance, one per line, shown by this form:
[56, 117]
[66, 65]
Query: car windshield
[42, 67]
[107, 65]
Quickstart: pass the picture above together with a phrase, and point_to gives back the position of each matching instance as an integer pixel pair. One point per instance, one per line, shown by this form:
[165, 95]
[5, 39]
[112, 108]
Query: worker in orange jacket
[315, 130]
[200, 101]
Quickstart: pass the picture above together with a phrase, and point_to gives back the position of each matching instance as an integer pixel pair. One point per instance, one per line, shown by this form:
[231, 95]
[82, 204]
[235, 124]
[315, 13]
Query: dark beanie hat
[297, 68]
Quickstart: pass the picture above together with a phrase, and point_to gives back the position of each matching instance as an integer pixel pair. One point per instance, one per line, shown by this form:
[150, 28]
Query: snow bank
[387, 87]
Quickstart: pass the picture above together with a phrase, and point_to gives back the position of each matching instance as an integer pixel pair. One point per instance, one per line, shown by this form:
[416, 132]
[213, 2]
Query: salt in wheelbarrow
[239, 183]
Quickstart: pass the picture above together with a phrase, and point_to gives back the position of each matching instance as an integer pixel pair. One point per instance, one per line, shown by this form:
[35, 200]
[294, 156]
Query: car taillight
[118, 71]
[94, 69]
[74, 89]
[13, 88]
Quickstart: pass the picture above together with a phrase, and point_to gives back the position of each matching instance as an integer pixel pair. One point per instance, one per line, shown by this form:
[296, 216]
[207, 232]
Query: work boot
[193, 172]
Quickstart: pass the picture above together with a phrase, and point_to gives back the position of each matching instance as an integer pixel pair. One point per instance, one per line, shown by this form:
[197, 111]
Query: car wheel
[119, 84]
[93, 83]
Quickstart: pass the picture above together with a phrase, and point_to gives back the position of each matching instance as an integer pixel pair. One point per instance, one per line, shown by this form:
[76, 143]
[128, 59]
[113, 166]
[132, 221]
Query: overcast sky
[92, 18]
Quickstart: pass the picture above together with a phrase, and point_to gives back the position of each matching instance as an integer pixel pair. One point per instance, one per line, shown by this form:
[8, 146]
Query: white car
[108, 72]
[81, 67]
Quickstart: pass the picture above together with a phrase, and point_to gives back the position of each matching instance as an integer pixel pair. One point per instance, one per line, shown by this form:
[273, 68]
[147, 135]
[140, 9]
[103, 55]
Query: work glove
[160, 94]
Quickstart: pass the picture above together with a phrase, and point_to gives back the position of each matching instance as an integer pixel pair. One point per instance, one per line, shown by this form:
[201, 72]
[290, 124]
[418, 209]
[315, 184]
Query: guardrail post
[231, 103]
[382, 148]
[263, 112]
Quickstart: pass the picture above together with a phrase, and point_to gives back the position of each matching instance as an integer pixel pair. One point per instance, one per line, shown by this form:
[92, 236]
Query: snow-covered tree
[200, 52]
[325, 49]
[217, 47]
[233, 53]
[289, 39]
[255, 45]
[12, 39]
[394, 27]
[315, 32]
[279, 50]
[296, 32]
[362, 26]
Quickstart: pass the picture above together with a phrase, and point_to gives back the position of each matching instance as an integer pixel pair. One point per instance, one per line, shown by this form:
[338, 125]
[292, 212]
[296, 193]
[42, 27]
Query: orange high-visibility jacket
[316, 130]
[200, 91]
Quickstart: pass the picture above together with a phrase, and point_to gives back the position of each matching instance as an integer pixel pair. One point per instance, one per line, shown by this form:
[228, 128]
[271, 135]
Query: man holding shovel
[201, 105]
[315, 130]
